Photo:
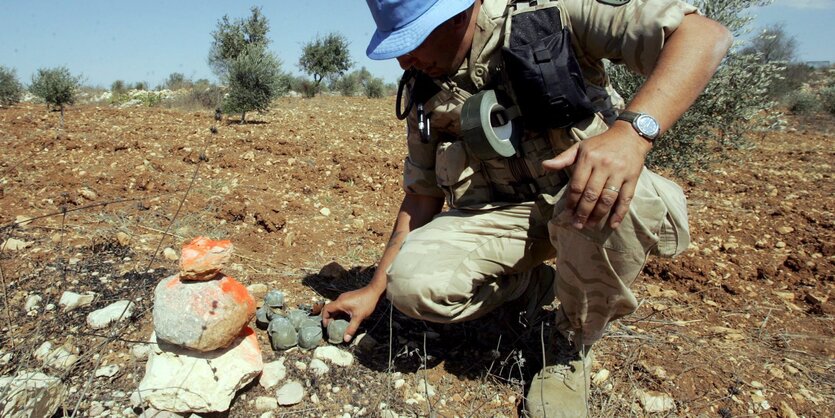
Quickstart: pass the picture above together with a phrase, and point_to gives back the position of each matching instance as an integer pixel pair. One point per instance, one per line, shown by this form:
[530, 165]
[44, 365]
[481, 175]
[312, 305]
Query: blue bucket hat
[402, 25]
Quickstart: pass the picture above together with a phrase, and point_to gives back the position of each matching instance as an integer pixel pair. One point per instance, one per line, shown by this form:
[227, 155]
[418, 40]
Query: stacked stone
[204, 351]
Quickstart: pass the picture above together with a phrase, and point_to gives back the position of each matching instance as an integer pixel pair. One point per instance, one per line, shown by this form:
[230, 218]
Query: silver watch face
[647, 126]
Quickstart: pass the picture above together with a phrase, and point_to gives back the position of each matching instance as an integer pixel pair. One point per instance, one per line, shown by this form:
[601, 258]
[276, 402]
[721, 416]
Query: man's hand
[604, 174]
[358, 304]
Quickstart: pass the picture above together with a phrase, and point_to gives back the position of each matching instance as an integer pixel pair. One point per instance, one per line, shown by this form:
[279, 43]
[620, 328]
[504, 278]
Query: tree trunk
[243, 117]
[62, 117]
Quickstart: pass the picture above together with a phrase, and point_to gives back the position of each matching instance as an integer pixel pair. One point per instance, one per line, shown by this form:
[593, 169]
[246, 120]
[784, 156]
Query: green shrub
[802, 102]
[375, 88]
[828, 99]
[208, 97]
[177, 81]
[10, 89]
[347, 85]
[140, 85]
[118, 87]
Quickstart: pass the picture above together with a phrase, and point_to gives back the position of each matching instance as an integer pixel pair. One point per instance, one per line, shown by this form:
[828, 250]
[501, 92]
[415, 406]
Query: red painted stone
[203, 259]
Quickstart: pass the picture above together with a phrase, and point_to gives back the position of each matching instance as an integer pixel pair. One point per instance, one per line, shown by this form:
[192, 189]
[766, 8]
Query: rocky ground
[740, 325]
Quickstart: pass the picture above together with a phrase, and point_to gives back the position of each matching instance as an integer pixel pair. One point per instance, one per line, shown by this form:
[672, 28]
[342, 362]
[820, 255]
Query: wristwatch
[644, 124]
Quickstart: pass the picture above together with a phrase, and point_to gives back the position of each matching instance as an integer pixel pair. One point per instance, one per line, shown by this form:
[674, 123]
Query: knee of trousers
[420, 295]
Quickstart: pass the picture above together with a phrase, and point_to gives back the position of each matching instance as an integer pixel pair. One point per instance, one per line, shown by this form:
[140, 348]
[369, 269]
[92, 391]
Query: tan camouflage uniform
[491, 243]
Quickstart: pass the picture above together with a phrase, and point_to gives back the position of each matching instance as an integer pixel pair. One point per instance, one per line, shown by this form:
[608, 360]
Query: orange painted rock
[202, 316]
[202, 258]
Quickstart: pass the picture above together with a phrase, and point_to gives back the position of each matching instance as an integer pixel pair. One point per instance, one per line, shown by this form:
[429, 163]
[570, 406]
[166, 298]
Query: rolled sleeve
[632, 34]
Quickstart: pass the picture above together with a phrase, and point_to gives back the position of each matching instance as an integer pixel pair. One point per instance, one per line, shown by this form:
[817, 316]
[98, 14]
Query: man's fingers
[627, 191]
[327, 311]
[608, 197]
[587, 199]
[353, 326]
[565, 159]
[577, 186]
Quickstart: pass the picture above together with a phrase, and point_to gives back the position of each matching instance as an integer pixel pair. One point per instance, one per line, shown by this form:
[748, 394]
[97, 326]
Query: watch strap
[631, 117]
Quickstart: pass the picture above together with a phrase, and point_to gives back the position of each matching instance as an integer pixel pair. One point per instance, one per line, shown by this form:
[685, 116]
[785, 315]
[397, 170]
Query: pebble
[116, 311]
[71, 300]
[399, 383]
[653, 401]
[257, 290]
[273, 373]
[32, 303]
[22, 220]
[290, 394]
[785, 230]
[107, 371]
[265, 403]
[425, 388]
[334, 355]
[123, 239]
[13, 244]
[600, 377]
[786, 411]
[140, 352]
[96, 409]
[325, 212]
[170, 254]
[88, 193]
[780, 244]
[318, 367]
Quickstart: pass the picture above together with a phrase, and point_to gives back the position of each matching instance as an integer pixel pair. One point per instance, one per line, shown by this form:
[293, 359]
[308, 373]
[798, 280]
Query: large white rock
[114, 312]
[30, 395]
[201, 315]
[182, 380]
[334, 355]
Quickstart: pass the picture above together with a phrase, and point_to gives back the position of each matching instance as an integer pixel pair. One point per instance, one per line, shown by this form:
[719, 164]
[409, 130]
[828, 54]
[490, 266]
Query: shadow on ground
[498, 344]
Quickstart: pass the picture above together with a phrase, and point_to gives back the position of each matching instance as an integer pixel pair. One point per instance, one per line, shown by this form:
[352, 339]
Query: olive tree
[56, 86]
[231, 38]
[730, 106]
[10, 89]
[254, 79]
[239, 56]
[326, 57]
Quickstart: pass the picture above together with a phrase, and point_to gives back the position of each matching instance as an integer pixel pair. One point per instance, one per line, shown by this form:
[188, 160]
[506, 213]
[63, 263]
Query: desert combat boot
[561, 388]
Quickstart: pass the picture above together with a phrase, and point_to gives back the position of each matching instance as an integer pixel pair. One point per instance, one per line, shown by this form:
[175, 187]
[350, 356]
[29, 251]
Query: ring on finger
[612, 188]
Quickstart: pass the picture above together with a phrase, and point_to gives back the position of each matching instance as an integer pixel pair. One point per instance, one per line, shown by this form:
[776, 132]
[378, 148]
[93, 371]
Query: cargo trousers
[465, 263]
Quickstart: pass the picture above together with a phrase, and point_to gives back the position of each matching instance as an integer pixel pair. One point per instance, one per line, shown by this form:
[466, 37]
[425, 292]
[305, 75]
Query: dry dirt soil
[740, 325]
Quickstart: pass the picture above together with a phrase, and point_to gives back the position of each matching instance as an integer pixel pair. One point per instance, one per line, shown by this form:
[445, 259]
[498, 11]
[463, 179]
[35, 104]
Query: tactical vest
[554, 116]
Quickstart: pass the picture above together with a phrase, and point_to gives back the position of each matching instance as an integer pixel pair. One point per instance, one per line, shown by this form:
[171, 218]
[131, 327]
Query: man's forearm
[688, 60]
[415, 211]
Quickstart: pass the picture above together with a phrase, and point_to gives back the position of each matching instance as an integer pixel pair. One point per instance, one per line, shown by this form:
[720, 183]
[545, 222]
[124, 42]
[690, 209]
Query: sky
[106, 40]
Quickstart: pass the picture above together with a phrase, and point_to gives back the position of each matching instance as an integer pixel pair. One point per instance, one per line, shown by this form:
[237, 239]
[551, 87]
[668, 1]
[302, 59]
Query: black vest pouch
[541, 68]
